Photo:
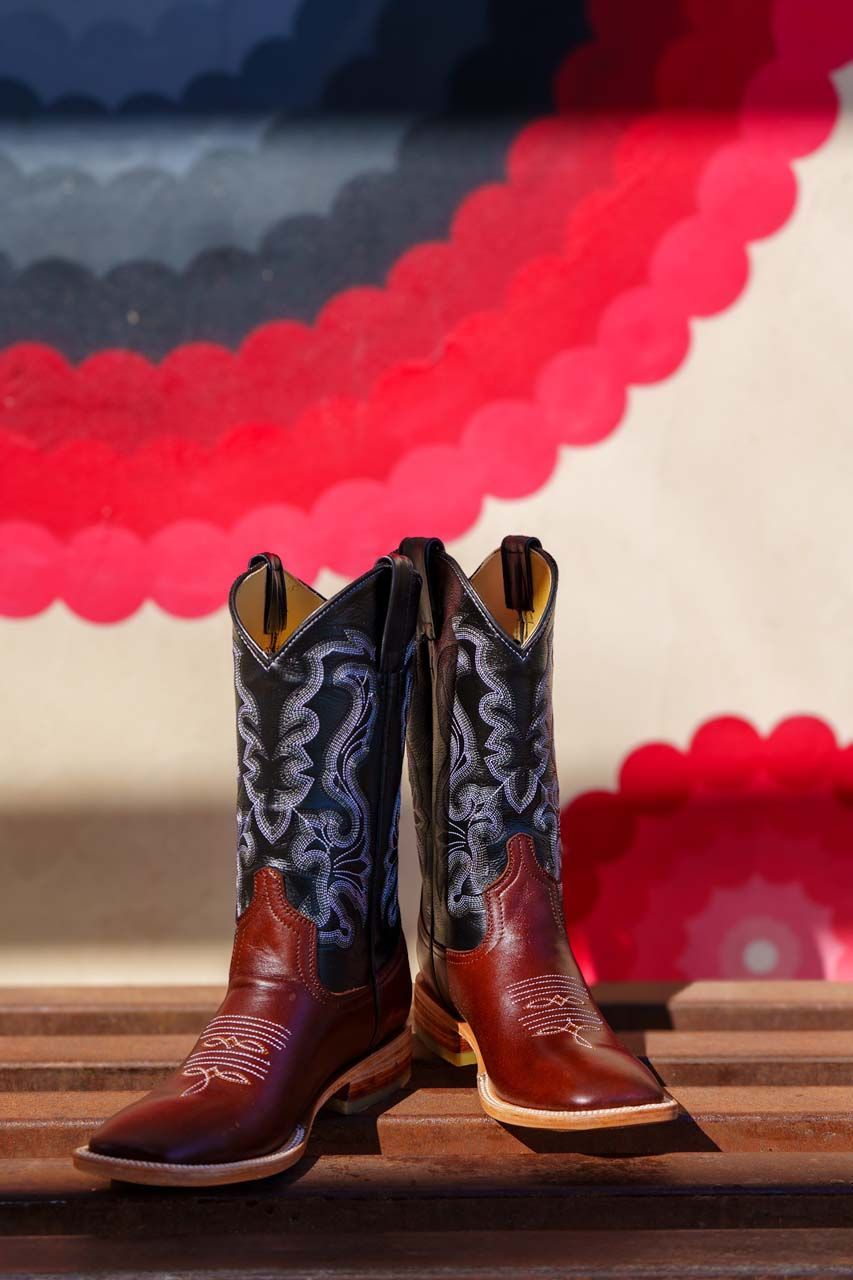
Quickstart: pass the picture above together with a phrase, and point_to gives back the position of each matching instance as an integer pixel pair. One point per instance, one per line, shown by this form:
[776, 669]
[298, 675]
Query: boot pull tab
[275, 596]
[518, 578]
[420, 551]
[402, 613]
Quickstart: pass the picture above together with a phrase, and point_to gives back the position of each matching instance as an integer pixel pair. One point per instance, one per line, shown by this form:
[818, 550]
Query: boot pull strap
[275, 595]
[420, 551]
[402, 614]
[518, 576]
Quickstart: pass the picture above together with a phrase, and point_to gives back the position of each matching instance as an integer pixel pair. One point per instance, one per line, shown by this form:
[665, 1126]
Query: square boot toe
[615, 1079]
[162, 1131]
[608, 1078]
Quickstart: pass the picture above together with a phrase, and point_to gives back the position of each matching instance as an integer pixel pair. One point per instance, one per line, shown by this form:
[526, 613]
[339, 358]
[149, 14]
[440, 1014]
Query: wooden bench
[754, 1178]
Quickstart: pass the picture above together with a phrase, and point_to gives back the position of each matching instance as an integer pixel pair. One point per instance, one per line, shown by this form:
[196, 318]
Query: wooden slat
[53, 1124]
[449, 1122]
[726, 1057]
[679, 1058]
[747, 1057]
[695, 1006]
[767, 1005]
[149, 1010]
[671, 1255]
[377, 1193]
[88, 1062]
[764, 1072]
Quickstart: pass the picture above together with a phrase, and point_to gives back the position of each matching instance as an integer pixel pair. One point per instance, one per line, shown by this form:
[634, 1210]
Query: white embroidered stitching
[329, 847]
[243, 1018]
[207, 1074]
[518, 757]
[232, 1048]
[553, 1004]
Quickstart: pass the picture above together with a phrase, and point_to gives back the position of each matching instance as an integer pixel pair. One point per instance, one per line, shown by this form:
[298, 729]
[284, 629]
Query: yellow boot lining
[302, 601]
[488, 582]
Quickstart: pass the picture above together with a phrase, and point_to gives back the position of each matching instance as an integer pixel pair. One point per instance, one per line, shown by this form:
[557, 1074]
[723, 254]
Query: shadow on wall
[129, 895]
[154, 875]
[728, 860]
[297, 55]
[210, 201]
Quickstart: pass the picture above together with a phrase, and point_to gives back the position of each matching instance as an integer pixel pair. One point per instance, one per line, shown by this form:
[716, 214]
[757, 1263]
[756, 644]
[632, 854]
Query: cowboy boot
[319, 990]
[498, 982]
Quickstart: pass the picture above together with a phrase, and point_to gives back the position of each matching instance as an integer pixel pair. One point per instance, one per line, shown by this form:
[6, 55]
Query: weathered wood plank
[88, 1062]
[696, 1006]
[448, 1122]
[766, 1005]
[376, 1193]
[672, 1255]
[756, 1119]
[745, 1154]
[150, 1010]
[747, 1057]
[49, 1125]
[679, 1058]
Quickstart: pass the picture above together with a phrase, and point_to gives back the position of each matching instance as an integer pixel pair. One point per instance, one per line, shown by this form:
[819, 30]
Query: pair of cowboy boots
[319, 995]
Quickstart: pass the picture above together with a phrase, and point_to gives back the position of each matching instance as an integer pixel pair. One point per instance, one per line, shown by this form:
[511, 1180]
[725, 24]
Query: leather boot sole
[455, 1042]
[369, 1081]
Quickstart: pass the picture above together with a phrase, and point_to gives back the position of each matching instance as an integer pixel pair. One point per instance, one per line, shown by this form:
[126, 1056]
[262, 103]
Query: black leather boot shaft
[321, 718]
[480, 738]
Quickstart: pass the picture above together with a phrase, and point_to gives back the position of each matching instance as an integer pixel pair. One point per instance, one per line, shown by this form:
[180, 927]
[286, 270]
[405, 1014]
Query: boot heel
[376, 1077]
[438, 1031]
